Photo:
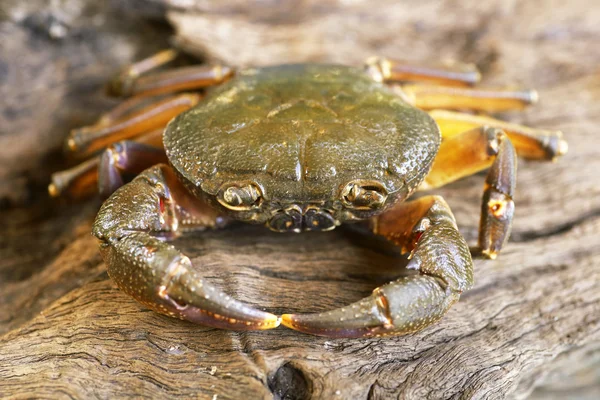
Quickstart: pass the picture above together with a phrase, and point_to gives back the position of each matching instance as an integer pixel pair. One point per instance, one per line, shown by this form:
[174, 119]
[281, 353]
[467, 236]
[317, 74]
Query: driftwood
[532, 321]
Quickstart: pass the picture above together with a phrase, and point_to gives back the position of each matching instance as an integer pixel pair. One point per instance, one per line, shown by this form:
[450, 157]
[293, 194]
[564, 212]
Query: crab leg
[450, 74]
[471, 152]
[536, 144]
[428, 97]
[83, 178]
[135, 80]
[90, 139]
[184, 78]
[78, 181]
[122, 82]
[126, 109]
[125, 157]
[154, 272]
[426, 228]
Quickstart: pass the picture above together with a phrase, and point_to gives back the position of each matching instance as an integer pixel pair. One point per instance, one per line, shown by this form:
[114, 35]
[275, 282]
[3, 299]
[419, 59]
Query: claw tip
[275, 322]
[53, 190]
[287, 320]
[270, 322]
[532, 96]
[71, 144]
[563, 147]
[491, 254]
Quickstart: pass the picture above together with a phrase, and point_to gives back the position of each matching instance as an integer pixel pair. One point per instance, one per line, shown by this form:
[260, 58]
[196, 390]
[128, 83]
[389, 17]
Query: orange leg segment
[535, 144]
[137, 81]
[83, 179]
[88, 140]
[428, 97]
[450, 74]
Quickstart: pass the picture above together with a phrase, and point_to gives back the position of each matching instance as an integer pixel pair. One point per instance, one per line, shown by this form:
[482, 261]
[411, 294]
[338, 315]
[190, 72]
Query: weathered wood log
[532, 320]
[54, 60]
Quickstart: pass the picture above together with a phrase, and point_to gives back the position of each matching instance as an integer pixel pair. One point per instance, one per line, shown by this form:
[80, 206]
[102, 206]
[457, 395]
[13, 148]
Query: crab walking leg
[450, 74]
[78, 181]
[82, 179]
[125, 157]
[426, 228]
[126, 109]
[184, 78]
[535, 144]
[469, 153]
[88, 140]
[136, 81]
[122, 83]
[154, 272]
[428, 97]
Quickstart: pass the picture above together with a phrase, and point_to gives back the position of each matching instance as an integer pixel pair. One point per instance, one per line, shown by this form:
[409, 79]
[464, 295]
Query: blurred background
[56, 56]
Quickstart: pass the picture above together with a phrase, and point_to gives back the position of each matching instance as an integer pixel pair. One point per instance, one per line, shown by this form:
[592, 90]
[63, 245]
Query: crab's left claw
[427, 228]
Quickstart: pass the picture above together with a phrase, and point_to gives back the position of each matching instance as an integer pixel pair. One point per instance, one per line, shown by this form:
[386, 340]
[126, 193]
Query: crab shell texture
[302, 147]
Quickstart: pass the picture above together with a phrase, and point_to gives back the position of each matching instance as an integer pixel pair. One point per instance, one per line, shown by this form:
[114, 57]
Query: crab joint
[378, 68]
[499, 207]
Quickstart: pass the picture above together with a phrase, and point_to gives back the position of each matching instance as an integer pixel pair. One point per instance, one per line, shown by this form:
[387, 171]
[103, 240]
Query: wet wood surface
[530, 327]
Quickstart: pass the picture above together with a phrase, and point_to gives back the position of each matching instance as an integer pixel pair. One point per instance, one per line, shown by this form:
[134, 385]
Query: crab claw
[439, 254]
[164, 279]
[403, 306]
[154, 272]
[189, 297]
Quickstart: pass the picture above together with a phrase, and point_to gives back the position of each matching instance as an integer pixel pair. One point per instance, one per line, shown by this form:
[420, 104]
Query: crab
[303, 147]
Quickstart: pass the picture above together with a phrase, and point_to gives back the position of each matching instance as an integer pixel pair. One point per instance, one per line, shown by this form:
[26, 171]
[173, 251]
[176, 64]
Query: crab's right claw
[443, 260]
[165, 281]
[131, 225]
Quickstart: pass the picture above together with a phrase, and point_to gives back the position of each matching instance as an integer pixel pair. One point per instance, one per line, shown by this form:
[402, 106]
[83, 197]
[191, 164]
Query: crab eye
[364, 195]
[239, 196]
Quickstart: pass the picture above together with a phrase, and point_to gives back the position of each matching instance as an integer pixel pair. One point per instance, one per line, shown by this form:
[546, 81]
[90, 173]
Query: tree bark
[532, 320]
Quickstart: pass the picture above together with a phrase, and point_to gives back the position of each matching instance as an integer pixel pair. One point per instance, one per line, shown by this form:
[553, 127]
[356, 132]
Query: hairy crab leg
[428, 97]
[154, 272]
[471, 152]
[88, 140]
[426, 228]
[535, 144]
[451, 74]
[82, 179]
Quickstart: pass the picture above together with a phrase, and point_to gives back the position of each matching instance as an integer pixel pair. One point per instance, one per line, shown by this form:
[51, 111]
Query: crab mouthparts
[293, 219]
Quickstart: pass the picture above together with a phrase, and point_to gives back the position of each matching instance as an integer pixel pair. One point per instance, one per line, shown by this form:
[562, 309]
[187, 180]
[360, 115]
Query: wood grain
[532, 320]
